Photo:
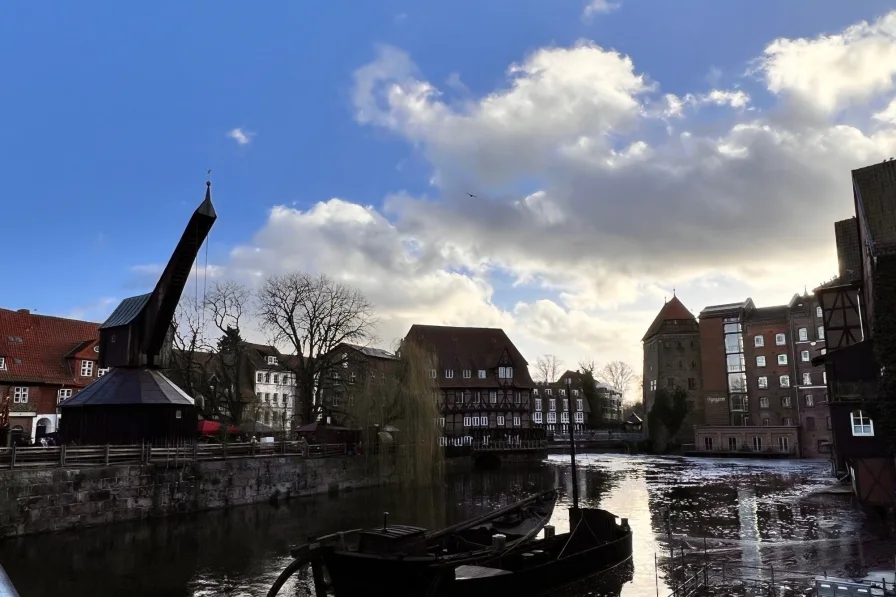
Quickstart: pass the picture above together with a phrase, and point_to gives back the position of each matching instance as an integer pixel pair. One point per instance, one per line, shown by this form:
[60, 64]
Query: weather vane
[209, 174]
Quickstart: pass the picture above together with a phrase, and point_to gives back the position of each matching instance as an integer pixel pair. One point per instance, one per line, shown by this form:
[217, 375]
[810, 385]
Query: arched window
[861, 424]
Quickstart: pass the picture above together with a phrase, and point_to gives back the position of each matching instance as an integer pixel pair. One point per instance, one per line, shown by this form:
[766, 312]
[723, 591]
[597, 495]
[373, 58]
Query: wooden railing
[79, 456]
[495, 446]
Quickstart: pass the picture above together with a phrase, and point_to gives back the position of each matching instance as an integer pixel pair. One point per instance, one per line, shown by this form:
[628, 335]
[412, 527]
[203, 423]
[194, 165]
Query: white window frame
[552, 418]
[759, 341]
[763, 382]
[549, 391]
[784, 444]
[580, 405]
[516, 421]
[757, 444]
[483, 420]
[552, 404]
[807, 379]
[276, 379]
[563, 392]
[780, 339]
[782, 359]
[493, 396]
[784, 381]
[2, 363]
[505, 372]
[259, 377]
[535, 391]
[538, 404]
[579, 417]
[820, 332]
[449, 373]
[575, 393]
[271, 360]
[441, 421]
[102, 371]
[564, 417]
[763, 402]
[500, 420]
[63, 394]
[862, 425]
[810, 400]
[467, 374]
[804, 356]
[20, 395]
[803, 334]
[760, 361]
[468, 421]
[819, 312]
[86, 368]
[536, 417]
[482, 374]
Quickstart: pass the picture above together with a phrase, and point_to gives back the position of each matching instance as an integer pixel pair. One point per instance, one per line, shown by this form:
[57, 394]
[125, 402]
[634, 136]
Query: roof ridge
[45, 316]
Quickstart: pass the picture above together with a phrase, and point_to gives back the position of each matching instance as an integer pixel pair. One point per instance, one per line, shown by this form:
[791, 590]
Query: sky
[556, 168]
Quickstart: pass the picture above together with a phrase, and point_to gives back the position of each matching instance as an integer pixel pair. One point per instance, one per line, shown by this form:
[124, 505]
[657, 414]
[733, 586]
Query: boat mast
[572, 443]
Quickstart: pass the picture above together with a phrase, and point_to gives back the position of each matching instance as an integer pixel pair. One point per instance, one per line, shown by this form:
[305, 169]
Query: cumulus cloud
[628, 191]
[240, 136]
[593, 7]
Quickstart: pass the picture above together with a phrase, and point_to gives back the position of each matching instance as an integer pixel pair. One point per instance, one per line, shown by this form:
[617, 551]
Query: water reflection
[741, 511]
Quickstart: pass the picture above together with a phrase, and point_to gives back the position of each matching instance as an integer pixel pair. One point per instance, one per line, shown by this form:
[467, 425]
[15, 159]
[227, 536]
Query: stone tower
[672, 359]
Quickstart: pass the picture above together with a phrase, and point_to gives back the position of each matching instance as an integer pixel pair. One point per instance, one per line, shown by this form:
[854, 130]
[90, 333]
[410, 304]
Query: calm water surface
[751, 513]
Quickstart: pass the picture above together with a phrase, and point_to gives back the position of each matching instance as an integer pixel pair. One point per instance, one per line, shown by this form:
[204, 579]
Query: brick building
[551, 407]
[44, 360]
[672, 358]
[360, 390]
[484, 382]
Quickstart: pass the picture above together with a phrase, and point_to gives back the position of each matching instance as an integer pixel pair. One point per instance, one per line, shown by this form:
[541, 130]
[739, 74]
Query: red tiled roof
[35, 346]
[673, 309]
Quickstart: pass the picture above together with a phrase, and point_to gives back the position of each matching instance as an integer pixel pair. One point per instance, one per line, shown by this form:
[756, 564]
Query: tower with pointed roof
[672, 358]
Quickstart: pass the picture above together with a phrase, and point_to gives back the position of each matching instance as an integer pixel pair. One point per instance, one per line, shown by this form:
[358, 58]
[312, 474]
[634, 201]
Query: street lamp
[572, 444]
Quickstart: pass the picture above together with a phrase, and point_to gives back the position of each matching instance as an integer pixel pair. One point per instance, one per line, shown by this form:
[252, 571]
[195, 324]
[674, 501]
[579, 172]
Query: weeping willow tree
[398, 405]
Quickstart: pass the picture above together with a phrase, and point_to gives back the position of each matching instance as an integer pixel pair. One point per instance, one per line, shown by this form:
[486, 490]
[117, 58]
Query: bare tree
[313, 315]
[189, 344]
[547, 368]
[618, 374]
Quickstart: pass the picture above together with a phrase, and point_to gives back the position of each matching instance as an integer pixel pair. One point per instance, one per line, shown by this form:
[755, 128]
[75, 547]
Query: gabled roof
[471, 348]
[127, 311]
[39, 345]
[125, 385]
[673, 309]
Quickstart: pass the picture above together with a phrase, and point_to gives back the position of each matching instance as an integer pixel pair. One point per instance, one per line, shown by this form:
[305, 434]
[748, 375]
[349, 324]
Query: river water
[742, 512]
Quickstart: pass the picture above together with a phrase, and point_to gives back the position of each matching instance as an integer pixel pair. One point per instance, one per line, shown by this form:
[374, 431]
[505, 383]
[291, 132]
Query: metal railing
[494, 446]
[80, 456]
[599, 436]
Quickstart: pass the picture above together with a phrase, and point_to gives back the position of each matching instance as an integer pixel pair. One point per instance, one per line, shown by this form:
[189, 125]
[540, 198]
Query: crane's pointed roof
[673, 309]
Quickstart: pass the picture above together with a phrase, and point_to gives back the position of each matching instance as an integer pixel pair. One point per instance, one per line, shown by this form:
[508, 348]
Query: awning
[214, 428]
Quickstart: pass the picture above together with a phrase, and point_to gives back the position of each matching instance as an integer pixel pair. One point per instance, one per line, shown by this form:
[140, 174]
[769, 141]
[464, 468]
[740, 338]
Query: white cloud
[594, 7]
[240, 136]
[635, 192]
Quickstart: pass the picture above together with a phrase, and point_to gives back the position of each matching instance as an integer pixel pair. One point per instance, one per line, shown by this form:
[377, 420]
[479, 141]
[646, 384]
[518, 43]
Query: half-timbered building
[857, 312]
[484, 383]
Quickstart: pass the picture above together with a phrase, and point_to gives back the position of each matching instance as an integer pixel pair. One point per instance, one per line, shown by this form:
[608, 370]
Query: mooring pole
[572, 446]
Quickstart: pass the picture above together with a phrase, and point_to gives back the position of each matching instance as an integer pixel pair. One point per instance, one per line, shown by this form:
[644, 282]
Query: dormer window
[259, 377]
[2, 363]
[345, 360]
[86, 368]
[467, 374]
[63, 395]
[102, 371]
[272, 360]
[482, 374]
[505, 372]
[449, 373]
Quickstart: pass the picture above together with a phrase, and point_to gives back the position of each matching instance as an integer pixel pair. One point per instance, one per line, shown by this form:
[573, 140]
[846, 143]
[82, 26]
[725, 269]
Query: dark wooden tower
[135, 402]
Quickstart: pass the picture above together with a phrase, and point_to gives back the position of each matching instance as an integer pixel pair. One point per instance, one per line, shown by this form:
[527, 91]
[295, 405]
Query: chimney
[24, 311]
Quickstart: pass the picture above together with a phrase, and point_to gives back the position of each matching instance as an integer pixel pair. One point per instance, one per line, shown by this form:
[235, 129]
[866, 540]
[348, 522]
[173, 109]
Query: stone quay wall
[45, 500]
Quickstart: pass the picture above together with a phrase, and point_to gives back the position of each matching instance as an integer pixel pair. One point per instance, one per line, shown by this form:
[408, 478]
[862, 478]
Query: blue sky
[115, 110]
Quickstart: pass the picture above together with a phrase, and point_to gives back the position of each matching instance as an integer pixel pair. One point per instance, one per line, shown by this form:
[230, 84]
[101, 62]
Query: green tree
[667, 415]
[596, 400]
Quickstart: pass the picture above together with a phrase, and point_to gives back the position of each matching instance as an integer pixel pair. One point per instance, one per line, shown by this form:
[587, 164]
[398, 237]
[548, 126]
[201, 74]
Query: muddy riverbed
[741, 517]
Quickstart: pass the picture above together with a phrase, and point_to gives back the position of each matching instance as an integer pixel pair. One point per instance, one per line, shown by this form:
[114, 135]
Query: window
[803, 334]
[579, 405]
[441, 421]
[505, 372]
[459, 397]
[565, 404]
[277, 395]
[810, 400]
[780, 339]
[493, 397]
[258, 396]
[351, 377]
[738, 403]
[475, 396]
[62, 395]
[518, 398]
[782, 359]
[20, 395]
[102, 371]
[537, 417]
[818, 312]
[500, 420]
[785, 402]
[810, 423]
[760, 361]
[784, 381]
[552, 404]
[824, 377]
[443, 441]
[467, 374]
[807, 379]
[757, 444]
[482, 374]
[861, 424]
[549, 392]
[820, 332]
[579, 417]
[86, 368]
[336, 398]
[758, 341]
[564, 417]
[259, 377]
[763, 402]
[732, 443]
[276, 378]
[516, 421]
[272, 360]
[344, 360]
[432, 374]
[552, 417]
[267, 397]
[267, 378]
[804, 356]
[563, 393]
[783, 444]
[766, 422]
[2, 363]
[468, 421]
[763, 382]
[707, 443]
[483, 421]
[652, 385]
[788, 420]
[692, 383]
[449, 373]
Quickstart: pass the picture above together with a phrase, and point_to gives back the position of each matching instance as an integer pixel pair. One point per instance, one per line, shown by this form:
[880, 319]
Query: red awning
[214, 428]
